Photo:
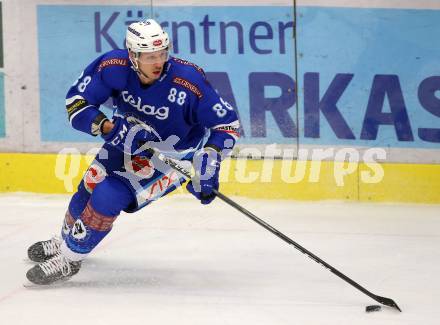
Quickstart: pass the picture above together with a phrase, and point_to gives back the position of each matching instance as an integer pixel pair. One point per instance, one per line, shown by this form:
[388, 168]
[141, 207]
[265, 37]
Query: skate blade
[28, 261]
[33, 286]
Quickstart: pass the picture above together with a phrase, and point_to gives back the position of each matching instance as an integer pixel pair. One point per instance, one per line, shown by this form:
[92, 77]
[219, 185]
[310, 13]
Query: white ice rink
[178, 262]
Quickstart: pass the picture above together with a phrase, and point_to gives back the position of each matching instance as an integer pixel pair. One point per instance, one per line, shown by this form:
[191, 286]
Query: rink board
[417, 183]
[378, 55]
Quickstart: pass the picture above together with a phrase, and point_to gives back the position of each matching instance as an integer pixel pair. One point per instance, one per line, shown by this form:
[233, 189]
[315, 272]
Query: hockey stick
[383, 300]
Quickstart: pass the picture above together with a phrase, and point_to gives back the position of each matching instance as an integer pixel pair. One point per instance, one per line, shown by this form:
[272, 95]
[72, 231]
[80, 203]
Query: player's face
[151, 64]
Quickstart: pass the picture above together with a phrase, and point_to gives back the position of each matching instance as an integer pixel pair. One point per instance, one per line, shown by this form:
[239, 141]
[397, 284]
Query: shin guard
[86, 233]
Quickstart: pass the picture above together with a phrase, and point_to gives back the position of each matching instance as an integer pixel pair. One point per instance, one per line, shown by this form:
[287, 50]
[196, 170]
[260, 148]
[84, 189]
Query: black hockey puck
[372, 308]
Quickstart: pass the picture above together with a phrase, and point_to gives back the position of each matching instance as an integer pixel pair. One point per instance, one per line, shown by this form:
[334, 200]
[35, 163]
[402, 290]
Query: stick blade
[388, 302]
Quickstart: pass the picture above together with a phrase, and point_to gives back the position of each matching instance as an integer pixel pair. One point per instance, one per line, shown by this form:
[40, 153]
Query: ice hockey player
[160, 102]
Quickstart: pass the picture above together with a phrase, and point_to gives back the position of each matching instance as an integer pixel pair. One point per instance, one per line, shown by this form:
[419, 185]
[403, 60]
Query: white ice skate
[54, 269]
[43, 250]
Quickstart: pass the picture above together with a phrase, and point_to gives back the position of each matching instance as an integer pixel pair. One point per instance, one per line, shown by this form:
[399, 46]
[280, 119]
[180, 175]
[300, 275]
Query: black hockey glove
[206, 163]
[129, 134]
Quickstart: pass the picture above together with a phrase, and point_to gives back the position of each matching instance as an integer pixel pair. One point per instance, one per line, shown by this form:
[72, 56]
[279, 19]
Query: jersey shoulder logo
[112, 62]
[188, 85]
[184, 62]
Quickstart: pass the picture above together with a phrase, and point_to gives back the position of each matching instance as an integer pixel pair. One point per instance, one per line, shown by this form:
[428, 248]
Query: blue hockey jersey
[181, 103]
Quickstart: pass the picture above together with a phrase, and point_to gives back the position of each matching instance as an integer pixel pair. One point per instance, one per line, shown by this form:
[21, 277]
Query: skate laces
[51, 246]
[59, 263]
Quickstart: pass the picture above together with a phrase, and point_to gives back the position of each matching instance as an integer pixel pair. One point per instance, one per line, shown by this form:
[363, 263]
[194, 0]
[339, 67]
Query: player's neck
[145, 80]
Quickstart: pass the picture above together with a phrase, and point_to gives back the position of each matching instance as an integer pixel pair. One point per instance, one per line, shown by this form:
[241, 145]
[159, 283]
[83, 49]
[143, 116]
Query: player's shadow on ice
[102, 274]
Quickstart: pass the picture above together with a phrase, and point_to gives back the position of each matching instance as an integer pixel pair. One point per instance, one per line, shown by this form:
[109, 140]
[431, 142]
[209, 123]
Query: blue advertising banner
[370, 77]
[248, 58]
[367, 77]
[2, 106]
[2, 83]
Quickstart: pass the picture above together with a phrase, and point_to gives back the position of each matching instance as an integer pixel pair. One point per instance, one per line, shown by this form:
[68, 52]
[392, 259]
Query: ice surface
[178, 262]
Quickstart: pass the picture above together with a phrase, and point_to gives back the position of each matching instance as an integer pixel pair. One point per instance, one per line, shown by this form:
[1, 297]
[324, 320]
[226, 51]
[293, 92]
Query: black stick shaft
[295, 244]
[383, 300]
